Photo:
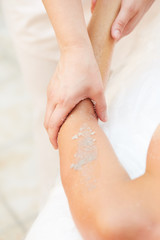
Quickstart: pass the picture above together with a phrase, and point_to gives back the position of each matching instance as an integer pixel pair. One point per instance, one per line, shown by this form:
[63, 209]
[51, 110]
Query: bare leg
[153, 158]
[103, 202]
[89, 165]
[99, 189]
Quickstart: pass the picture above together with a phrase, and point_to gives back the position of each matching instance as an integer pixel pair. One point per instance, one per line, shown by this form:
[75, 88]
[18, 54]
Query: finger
[100, 106]
[57, 119]
[49, 110]
[131, 25]
[124, 16]
[93, 5]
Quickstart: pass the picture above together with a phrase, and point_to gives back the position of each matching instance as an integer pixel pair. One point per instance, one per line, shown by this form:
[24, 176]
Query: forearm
[67, 19]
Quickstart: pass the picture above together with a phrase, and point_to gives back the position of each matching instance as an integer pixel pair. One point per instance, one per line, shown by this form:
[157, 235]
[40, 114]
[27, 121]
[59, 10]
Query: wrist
[75, 44]
[80, 55]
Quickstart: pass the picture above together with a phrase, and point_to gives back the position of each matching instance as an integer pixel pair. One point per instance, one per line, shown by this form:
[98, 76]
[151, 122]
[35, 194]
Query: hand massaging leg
[83, 146]
[88, 163]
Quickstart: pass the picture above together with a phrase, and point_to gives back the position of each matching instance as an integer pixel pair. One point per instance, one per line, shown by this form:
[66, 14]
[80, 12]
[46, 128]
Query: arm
[68, 22]
[77, 75]
[130, 14]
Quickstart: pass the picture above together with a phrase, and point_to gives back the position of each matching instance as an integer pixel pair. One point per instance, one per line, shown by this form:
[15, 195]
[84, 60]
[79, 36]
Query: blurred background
[18, 184]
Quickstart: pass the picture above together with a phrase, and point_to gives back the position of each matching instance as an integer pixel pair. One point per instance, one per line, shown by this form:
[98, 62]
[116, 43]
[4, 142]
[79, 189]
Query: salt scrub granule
[93, 133]
[75, 137]
[87, 150]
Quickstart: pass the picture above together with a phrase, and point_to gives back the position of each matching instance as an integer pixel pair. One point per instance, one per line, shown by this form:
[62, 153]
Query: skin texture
[77, 69]
[130, 14]
[104, 202]
[72, 82]
[73, 78]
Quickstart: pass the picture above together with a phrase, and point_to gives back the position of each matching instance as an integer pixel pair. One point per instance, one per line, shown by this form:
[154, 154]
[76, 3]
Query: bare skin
[68, 87]
[77, 68]
[104, 202]
[130, 14]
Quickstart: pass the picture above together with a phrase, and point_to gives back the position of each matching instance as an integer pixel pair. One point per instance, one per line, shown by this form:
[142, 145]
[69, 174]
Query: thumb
[121, 21]
[100, 106]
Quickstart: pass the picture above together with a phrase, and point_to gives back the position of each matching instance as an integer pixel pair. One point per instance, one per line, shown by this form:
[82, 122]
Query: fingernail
[117, 34]
[105, 117]
[56, 147]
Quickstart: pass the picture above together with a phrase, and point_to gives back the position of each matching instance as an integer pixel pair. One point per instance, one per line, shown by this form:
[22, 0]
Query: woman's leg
[87, 160]
[153, 157]
[98, 188]
[88, 165]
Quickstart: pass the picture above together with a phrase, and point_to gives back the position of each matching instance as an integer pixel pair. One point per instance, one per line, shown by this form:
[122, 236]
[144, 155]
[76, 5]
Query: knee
[124, 225]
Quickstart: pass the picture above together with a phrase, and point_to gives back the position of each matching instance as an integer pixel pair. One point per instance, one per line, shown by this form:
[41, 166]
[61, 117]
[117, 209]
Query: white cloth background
[133, 98]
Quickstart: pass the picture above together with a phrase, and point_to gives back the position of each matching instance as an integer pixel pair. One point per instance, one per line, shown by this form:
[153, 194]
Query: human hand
[77, 77]
[131, 12]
